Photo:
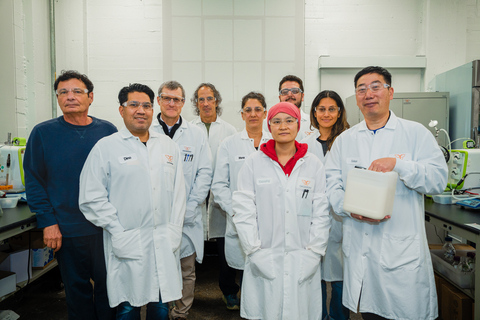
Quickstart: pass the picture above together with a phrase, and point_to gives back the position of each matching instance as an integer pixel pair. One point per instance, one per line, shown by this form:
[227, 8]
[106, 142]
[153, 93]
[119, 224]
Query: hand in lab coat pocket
[128, 244]
[261, 264]
[310, 265]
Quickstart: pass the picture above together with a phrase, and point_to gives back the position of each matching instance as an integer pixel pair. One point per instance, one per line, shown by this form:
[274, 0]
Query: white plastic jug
[369, 193]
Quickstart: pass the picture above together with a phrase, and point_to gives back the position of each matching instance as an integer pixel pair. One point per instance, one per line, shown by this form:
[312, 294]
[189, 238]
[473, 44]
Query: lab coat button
[287, 190]
[364, 254]
[366, 234]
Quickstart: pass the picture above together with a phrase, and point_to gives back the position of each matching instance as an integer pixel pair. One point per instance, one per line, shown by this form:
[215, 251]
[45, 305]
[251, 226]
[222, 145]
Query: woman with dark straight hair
[329, 117]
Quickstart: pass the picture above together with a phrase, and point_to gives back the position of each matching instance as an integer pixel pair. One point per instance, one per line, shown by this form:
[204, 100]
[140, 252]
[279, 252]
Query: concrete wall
[117, 42]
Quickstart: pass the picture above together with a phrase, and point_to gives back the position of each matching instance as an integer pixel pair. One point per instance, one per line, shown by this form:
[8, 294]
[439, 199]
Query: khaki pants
[188, 275]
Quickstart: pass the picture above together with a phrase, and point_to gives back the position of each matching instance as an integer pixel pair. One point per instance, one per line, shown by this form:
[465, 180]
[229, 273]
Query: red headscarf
[285, 107]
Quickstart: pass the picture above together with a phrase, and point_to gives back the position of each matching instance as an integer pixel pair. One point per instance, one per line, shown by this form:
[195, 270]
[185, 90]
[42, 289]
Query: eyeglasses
[250, 110]
[277, 122]
[176, 100]
[285, 92]
[322, 110]
[374, 87]
[147, 106]
[208, 99]
[75, 91]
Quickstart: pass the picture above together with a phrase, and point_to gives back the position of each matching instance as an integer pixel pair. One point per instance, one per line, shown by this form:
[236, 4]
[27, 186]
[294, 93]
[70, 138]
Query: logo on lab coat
[400, 156]
[169, 159]
[306, 182]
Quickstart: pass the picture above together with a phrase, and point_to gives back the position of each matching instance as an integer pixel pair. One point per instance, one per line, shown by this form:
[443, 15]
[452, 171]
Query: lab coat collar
[156, 124]
[126, 134]
[198, 120]
[391, 123]
[244, 135]
[304, 116]
[268, 149]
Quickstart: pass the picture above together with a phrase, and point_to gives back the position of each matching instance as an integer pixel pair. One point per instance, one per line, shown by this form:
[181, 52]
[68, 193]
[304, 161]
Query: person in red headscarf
[281, 215]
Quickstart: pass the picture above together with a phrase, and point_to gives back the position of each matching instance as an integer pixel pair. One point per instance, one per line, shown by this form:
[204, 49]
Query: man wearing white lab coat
[206, 102]
[197, 169]
[132, 185]
[231, 155]
[290, 89]
[387, 267]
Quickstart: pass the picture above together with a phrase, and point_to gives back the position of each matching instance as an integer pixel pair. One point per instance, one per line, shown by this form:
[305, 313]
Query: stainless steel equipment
[463, 83]
[421, 107]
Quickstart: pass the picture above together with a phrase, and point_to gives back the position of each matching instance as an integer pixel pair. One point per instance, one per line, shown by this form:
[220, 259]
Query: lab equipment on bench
[12, 178]
[464, 169]
[369, 193]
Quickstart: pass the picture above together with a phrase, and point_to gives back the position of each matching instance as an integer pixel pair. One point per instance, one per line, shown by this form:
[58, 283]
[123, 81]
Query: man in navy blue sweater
[54, 157]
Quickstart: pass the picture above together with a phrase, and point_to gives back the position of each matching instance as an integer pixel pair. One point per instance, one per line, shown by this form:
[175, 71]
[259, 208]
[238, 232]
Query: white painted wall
[117, 42]
[25, 84]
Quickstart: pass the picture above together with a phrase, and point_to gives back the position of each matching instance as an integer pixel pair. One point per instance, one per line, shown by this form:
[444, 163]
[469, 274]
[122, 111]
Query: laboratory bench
[453, 219]
[16, 221]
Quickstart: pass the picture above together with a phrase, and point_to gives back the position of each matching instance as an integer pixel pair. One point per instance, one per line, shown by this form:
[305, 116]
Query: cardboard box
[455, 304]
[8, 282]
[41, 254]
[16, 261]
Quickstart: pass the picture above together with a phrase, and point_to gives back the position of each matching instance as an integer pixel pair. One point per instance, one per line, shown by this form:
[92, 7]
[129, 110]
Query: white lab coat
[389, 262]
[137, 194]
[231, 155]
[332, 262]
[283, 236]
[214, 217]
[305, 130]
[196, 161]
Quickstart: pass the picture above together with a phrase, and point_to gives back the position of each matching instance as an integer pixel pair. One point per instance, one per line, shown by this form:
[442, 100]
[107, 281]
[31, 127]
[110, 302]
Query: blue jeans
[155, 311]
[79, 260]
[337, 310]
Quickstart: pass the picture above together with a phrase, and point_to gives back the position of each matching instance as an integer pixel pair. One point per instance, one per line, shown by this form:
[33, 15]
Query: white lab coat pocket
[261, 264]
[169, 173]
[310, 265]
[400, 252]
[304, 196]
[127, 245]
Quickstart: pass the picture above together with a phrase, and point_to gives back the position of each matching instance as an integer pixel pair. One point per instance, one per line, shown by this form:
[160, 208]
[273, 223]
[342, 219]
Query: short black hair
[72, 74]
[291, 77]
[256, 96]
[378, 70]
[135, 87]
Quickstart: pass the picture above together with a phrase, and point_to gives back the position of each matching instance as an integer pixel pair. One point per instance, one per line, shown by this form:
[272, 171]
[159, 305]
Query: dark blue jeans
[79, 260]
[337, 310]
[155, 311]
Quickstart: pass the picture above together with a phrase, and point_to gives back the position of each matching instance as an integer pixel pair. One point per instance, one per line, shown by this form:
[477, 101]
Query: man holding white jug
[388, 272]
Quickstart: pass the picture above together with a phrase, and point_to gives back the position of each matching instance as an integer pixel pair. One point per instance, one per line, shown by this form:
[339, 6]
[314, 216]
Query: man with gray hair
[197, 169]
[206, 103]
